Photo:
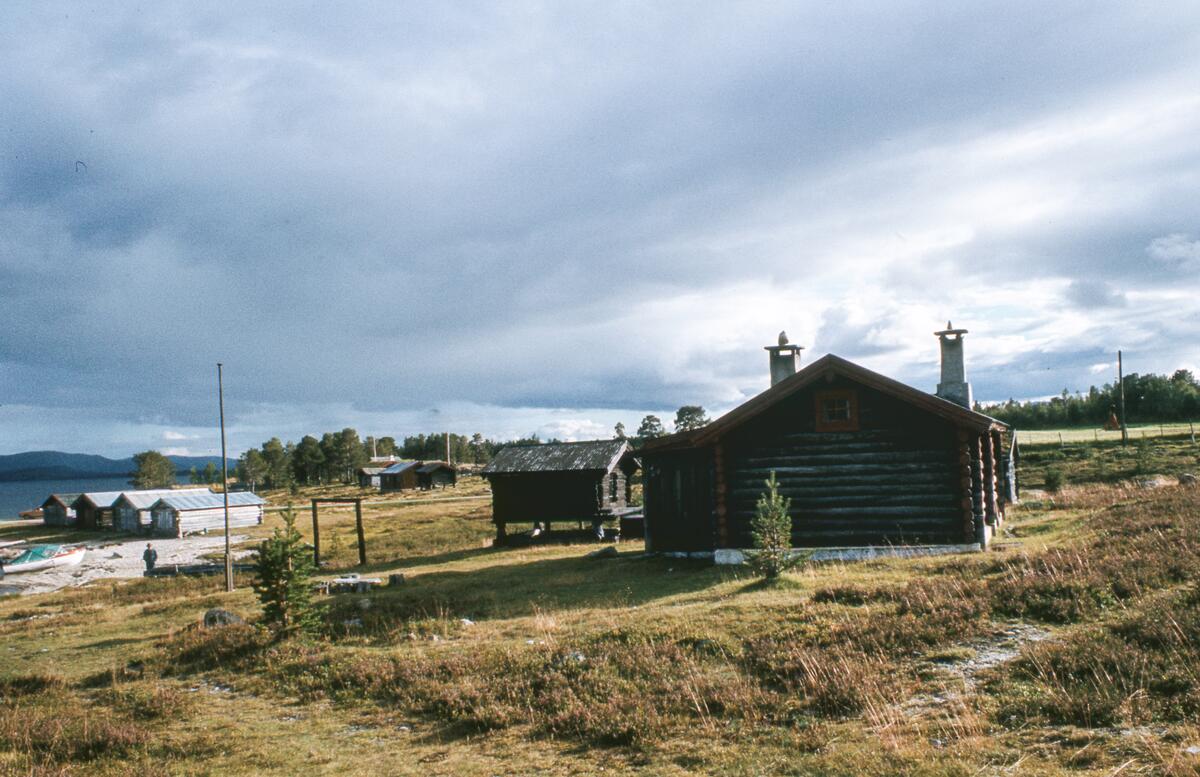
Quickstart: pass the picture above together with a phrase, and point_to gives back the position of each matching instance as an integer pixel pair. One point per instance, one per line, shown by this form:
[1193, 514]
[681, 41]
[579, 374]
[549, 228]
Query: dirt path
[113, 559]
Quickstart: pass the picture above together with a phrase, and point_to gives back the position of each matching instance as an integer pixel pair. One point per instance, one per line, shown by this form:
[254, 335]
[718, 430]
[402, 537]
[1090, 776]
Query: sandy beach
[115, 559]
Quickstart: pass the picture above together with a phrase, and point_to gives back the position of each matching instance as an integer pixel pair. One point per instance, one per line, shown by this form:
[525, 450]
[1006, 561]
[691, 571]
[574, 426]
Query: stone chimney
[783, 358]
[954, 386]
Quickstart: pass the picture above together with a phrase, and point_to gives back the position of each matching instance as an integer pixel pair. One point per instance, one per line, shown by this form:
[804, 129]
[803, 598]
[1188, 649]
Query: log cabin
[401, 476]
[556, 482]
[864, 459]
[436, 474]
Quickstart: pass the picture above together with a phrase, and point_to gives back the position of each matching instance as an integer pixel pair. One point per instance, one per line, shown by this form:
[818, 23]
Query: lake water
[20, 495]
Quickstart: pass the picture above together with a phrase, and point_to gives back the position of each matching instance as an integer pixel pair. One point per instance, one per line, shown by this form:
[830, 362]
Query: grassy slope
[574, 665]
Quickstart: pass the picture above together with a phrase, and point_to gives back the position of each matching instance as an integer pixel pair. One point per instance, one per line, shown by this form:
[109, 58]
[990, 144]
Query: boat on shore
[39, 557]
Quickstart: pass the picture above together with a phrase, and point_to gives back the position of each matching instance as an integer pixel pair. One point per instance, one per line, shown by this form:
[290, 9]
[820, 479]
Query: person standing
[150, 556]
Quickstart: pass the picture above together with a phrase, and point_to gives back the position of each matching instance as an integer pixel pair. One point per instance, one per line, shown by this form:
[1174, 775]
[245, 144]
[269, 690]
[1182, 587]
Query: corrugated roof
[142, 500]
[431, 466]
[599, 455]
[370, 470]
[66, 499]
[101, 499]
[828, 364]
[399, 467]
[209, 500]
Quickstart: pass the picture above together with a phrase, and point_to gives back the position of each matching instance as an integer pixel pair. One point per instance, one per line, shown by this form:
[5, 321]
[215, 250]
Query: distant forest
[337, 456]
[1148, 399]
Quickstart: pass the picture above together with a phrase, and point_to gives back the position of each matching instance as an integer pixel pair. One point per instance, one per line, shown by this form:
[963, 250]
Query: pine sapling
[771, 531]
[284, 579]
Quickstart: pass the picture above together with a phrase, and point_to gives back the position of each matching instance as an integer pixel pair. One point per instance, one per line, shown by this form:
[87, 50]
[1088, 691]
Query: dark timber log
[720, 488]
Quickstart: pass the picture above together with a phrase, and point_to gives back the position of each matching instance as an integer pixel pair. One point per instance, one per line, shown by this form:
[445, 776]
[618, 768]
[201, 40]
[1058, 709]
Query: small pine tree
[283, 582]
[771, 530]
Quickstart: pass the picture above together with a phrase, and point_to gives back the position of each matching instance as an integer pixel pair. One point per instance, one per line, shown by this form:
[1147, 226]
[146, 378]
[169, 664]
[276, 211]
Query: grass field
[1069, 649]
[1136, 433]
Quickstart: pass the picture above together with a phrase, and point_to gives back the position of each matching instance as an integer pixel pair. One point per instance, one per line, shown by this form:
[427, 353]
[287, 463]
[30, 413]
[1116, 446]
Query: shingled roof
[597, 455]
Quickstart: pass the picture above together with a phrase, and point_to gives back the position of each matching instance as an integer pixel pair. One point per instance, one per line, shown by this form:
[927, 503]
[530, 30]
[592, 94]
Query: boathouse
[57, 510]
[186, 513]
[574, 481]
[93, 509]
[864, 459]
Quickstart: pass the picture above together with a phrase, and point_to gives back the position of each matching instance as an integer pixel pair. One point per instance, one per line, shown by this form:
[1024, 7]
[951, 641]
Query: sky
[539, 217]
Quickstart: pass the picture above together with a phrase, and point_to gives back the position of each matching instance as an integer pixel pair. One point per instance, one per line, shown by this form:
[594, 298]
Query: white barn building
[131, 511]
[179, 514]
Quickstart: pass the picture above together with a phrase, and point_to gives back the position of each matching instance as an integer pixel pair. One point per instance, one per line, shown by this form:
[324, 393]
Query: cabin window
[837, 411]
[612, 487]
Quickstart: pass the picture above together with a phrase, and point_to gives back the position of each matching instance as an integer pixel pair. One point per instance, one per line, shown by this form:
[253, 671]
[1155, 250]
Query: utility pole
[1121, 383]
[447, 447]
[225, 480]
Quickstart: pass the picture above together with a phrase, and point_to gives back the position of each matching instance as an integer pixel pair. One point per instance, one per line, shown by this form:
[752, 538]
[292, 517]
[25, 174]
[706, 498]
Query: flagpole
[225, 480]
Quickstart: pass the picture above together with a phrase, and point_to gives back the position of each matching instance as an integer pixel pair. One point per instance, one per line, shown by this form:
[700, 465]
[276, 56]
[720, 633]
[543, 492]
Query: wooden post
[989, 480]
[362, 540]
[1121, 383]
[316, 537]
[1060, 440]
[1192, 429]
[977, 489]
[964, 484]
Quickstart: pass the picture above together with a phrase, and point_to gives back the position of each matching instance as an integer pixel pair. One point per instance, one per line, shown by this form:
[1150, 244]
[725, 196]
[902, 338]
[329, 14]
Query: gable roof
[826, 365]
[595, 455]
[208, 500]
[99, 499]
[144, 500]
[433, 466]
[66, 500]
[399, 467]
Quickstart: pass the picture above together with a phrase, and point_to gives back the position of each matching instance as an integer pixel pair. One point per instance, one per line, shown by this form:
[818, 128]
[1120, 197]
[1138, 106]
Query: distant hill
[56, 465]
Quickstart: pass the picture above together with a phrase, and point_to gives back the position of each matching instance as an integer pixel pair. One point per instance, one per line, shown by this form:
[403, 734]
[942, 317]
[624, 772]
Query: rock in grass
[609, 552]
[218, 617]
[1187, 479]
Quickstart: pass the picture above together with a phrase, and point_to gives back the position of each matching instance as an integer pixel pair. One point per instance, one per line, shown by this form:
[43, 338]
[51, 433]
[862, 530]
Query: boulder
[1187, 479]
[218, 617]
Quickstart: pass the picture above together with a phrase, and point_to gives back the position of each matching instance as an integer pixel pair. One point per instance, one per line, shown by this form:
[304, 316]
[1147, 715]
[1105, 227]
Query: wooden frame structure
[358, 523]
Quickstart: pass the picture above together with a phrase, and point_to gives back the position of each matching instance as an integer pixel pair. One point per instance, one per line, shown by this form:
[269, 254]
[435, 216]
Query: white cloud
[1177, 250]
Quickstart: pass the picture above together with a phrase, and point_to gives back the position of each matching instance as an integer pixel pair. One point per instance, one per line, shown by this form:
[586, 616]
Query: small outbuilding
[177, 515]
[436, 474]
[864, 459]
[57, 510]
[131, 511]
[368, 477]
[93, 509]
[401, 476]
[574, 481]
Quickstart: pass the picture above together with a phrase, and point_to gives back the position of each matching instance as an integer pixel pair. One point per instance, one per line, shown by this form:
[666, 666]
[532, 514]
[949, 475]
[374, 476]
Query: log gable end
[862, 463]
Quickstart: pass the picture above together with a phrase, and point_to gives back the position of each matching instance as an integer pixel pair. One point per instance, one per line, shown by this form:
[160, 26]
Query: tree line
[336, 457]
[1148, 399]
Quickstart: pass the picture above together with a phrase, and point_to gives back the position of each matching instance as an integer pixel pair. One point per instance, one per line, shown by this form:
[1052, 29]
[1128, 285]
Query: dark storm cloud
[600, 206]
